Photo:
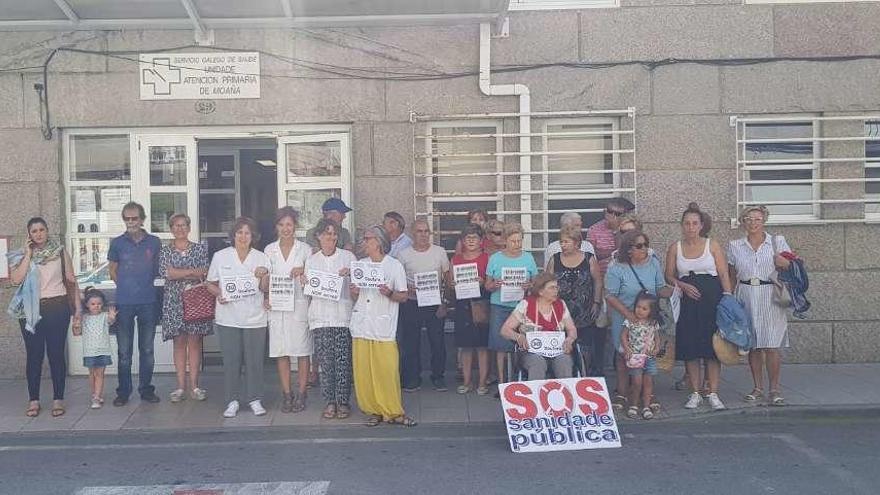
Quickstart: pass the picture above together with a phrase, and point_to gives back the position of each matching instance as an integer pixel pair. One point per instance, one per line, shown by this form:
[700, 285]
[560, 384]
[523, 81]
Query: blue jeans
[497, 316]
[146, 330]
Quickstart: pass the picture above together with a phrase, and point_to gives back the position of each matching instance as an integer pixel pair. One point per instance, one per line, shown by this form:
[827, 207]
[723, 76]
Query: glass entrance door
[166, 181]
[311, 169]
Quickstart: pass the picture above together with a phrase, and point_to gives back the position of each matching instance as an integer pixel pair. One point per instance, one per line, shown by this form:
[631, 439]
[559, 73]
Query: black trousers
[49, 339]
[411, 320]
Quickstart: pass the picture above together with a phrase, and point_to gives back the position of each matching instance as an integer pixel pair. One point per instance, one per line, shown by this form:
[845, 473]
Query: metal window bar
[608, 171]
[820, 164]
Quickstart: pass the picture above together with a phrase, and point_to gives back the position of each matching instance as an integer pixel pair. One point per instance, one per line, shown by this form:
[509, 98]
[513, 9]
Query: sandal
[776, 399]
[755, 395]
[654, 405]
[313, 380]
[33, 410]
[329, 412]
[618, 402]
[373, 420]
[632, 412]
[343, 411]
[299, 403]
[57, 409]
[402, 420]
[286, 403]
[647, 413]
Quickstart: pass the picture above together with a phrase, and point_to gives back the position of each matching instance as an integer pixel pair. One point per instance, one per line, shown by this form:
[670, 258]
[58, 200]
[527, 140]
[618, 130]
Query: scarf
[25, 302]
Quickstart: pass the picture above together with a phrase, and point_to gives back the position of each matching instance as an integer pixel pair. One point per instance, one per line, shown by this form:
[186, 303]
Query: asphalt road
[723, 455]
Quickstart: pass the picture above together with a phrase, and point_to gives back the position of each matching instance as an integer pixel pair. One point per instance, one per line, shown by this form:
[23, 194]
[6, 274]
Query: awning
[202, 15]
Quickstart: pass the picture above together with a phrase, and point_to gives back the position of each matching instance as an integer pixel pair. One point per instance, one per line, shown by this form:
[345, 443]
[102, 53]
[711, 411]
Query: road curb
[789, 411]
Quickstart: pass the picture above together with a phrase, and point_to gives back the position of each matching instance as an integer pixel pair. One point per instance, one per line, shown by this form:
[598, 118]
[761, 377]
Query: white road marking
[270, 488]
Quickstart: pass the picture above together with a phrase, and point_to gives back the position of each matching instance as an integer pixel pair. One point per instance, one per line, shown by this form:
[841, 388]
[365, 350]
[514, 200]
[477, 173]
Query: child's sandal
[647, 413]
[632, 412]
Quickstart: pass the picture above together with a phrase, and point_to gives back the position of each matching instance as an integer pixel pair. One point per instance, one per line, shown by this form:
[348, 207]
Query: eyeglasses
[640, 245]
[754, 219]
[614, 212]
[496, 232]
[131, 219]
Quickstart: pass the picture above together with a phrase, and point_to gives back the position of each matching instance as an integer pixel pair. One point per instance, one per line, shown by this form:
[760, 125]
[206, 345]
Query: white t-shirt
[434, 259]
[324, 312]
[556, 247]
[374, 316]
[247, 312]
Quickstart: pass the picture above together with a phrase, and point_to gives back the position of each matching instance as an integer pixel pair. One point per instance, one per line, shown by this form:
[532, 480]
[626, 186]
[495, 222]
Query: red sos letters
[563, 414]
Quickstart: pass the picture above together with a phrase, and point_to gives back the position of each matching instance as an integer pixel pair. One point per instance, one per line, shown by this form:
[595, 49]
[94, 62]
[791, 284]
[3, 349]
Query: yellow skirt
[377, 377]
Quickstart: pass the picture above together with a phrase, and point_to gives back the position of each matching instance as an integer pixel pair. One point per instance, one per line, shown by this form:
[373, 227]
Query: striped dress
[769, 322]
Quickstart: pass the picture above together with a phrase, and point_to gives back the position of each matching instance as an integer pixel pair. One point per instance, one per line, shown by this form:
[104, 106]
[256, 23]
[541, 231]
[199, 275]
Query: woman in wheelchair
[543, 311]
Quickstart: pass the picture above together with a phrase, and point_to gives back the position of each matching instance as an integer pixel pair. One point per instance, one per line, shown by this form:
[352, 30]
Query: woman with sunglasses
[494, 240]
[632, 272]
[698, 267]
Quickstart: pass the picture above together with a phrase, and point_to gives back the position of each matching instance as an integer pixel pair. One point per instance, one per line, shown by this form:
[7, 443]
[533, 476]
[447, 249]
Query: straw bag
[726, 351]
[198, 304]
[666, 354]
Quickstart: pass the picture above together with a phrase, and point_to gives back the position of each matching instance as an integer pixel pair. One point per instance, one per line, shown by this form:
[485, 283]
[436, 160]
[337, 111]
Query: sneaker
[439, 384]
[199, 394]
[694, 401]
[482, 390]
[150, 397]
[96, 403]
[231, 409]
[715, 402]
[410, 390]
[120, 401]
[176, 396]
[257, 407]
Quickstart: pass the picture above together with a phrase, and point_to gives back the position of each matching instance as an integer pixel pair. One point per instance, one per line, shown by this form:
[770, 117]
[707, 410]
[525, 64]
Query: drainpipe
[525, 141]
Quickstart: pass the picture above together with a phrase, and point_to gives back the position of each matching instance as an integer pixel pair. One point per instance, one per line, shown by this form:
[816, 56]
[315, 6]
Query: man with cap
[334, 209]
[394, 225]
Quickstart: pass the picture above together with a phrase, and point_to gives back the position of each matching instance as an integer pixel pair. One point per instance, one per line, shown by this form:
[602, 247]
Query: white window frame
[428, 170]
[742, 185]
[872, 164]
[761, 2]
[601, 192]
[516, 5]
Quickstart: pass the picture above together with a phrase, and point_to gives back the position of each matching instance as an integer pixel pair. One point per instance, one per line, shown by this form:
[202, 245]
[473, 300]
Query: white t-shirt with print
[324, 313]
[374, 316]
[247, 312]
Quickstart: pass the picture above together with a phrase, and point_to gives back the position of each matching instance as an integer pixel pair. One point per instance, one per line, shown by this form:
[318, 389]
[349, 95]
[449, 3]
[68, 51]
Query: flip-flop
[57, 411]
[33, 411]
[343, 411]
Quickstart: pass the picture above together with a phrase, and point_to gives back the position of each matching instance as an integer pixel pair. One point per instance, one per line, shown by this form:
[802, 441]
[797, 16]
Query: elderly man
[422, 257]
[334, 209]
[394, 224]
[567, 219]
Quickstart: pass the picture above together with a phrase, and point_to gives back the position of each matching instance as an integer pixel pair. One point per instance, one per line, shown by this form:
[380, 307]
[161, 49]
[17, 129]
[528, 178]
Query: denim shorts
[497, 316]
[649, 369]
[97, 361]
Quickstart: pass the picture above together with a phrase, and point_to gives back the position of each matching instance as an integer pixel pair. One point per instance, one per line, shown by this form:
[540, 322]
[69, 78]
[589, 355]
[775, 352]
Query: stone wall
[685, 145]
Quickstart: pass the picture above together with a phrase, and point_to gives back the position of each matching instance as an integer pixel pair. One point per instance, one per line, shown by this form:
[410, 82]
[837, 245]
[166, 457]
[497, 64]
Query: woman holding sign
[471, 307]
[374, 330]
[329, 317]
[508, 275]
[236, 275]
[543, 311]
[289, 335]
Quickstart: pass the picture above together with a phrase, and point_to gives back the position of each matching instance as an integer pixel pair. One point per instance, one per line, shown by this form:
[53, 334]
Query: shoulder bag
[198, 304]
[781, 296]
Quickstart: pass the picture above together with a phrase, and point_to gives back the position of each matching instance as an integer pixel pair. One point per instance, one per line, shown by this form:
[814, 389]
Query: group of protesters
[600, 291]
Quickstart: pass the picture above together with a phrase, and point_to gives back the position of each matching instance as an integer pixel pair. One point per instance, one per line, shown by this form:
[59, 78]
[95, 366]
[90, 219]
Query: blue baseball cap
[335, 204]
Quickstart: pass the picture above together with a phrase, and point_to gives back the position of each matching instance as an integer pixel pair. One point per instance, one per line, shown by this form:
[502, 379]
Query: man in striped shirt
[601, 234]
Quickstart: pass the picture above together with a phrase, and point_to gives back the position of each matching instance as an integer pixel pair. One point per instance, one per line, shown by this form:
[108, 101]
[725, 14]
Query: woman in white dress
[289, 335]
[752, 260]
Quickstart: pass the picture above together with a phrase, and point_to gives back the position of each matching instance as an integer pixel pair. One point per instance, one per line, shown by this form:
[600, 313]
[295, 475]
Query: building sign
[559, 414]
[199, 76]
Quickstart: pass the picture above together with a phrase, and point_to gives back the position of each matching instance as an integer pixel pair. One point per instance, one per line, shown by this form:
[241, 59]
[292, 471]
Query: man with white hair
[572, 219]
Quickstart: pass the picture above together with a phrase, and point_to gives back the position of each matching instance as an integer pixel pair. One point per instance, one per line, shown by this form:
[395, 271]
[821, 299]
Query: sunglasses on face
[614, 212]
[640, 245]
[496, 232]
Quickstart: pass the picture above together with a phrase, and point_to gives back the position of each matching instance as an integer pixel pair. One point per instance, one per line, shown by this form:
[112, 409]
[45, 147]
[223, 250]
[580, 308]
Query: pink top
[51, 282]
[602, 239]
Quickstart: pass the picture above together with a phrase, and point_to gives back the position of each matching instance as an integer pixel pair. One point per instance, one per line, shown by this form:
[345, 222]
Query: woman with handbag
[698, 267]
[632, 271]
[580, 286]
[183, 264]
[472, 315]
[753, 261]
[46, 297]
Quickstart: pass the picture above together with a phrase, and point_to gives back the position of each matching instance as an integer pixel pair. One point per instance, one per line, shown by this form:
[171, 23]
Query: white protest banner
[546, 344]
[236, 287]
[467, 281]
[196, 76]
[324, 285]
[428, 289]
[367, 275]
[512, 280]
[4, 262]
[282, 293]
[559, 414]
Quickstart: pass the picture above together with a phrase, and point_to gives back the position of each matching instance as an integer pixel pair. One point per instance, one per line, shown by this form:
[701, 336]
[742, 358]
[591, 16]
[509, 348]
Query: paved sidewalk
[845, 386]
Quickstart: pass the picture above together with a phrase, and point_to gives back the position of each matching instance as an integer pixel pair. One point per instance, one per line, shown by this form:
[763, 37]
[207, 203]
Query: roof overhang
[201, 15]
